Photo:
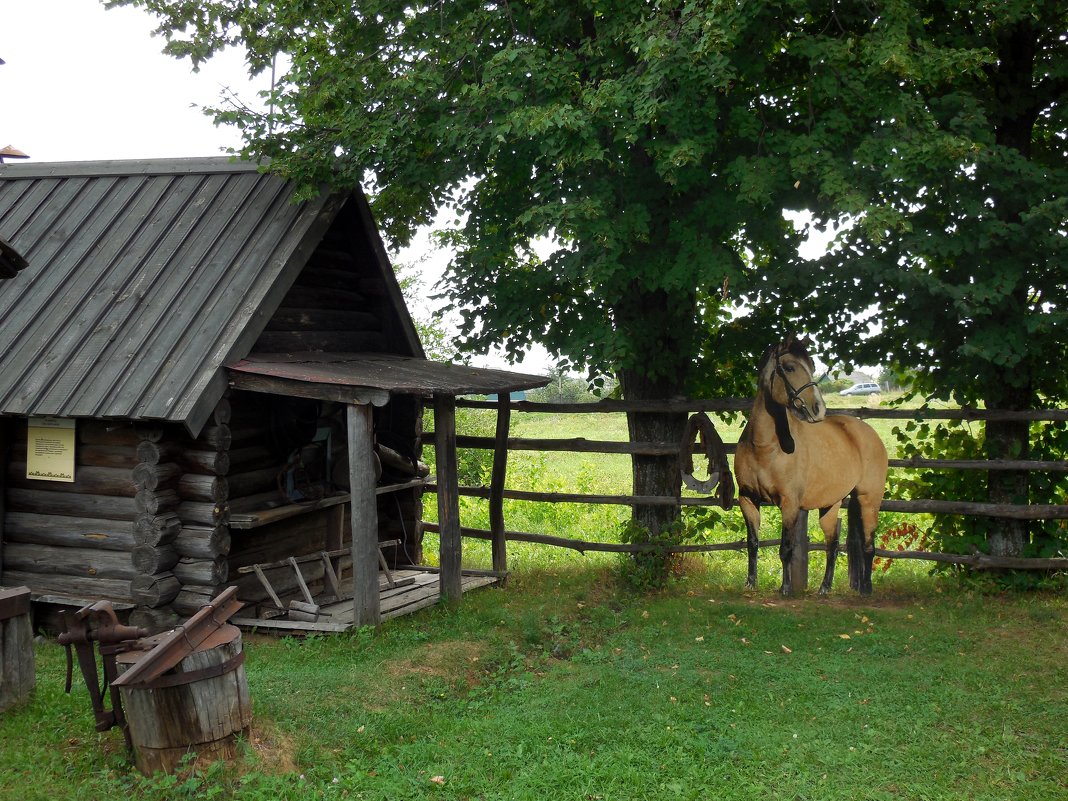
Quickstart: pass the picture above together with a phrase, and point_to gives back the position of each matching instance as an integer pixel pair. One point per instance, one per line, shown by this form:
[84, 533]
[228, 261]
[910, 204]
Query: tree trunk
[653, 475]
[663, 348]
[1007, 440]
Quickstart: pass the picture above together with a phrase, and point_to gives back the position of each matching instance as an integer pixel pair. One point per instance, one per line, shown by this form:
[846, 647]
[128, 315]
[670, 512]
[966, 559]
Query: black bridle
[797, 403]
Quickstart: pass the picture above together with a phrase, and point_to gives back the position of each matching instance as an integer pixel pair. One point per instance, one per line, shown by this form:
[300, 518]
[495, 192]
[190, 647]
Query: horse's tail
[855, 541]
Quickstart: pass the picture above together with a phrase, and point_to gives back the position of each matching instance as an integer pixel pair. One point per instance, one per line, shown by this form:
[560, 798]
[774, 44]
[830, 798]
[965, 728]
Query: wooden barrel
[200, 706]
[17, 677]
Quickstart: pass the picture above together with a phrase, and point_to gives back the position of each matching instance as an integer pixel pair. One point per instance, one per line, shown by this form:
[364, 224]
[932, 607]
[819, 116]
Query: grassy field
[560, 686]
[565, 685]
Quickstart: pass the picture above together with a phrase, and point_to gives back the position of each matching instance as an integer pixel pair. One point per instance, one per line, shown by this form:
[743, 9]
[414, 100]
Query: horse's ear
[797, 347]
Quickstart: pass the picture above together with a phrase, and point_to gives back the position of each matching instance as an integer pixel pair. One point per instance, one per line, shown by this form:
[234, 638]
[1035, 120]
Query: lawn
[563, 686]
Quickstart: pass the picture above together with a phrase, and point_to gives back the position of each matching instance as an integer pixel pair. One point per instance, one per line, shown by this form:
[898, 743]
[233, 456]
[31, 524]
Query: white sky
[82, 83]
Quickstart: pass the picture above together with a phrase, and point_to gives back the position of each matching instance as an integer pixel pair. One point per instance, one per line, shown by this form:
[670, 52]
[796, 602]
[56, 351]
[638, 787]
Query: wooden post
[17, 677]
[799, 563]
[366, 607]
[448, 498]
[500, 470]
[5, 449]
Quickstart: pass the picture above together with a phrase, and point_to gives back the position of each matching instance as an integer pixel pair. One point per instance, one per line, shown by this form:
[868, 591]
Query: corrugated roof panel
[170, 260]
[142, 278]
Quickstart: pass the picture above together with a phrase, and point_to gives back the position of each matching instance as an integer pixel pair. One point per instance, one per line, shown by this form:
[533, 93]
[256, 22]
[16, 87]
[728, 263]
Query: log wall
[77, 539]
[147, 518]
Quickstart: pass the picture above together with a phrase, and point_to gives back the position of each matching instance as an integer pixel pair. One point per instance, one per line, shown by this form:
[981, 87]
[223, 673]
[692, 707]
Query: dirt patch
[455, 661]
[275, 752]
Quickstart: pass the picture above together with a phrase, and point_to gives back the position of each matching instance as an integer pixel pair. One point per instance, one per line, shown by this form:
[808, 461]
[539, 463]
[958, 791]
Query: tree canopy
[656, 144]
[653, 143]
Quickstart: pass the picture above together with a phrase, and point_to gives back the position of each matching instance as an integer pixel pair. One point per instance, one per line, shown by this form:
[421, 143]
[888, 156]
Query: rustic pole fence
[501, 444]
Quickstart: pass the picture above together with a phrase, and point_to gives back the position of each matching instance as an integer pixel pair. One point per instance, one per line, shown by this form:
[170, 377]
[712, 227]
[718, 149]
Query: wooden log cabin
[206, 383]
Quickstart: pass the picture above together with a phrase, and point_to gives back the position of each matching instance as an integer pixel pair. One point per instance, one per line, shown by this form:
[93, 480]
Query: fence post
[451, 580]
[498, 543]
[366, 603]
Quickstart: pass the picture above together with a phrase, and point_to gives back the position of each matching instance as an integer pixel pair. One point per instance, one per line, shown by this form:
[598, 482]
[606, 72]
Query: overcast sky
[82, 83]
[85, 83]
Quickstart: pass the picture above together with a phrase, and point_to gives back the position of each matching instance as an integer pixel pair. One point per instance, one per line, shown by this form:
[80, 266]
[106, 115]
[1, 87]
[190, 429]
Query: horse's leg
[751, 514]
[830, 525]
[790, 512]
[869, 515]
[855, 542]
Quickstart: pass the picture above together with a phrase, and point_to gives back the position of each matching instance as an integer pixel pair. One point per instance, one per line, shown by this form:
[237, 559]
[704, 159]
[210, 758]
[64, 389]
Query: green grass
[561, 686]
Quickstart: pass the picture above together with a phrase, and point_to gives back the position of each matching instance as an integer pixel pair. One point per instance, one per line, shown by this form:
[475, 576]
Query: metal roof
[144, 279]
[373, 371]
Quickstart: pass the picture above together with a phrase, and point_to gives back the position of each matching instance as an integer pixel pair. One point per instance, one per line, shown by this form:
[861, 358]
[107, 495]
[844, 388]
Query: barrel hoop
[193, 676]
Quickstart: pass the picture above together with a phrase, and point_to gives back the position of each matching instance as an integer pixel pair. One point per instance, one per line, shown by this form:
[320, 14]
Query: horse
[792, 455]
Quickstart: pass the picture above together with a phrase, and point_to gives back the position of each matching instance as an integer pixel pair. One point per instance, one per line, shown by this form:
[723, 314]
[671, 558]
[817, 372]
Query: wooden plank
[451, 555]
[745, 404]
[290, 626]
[364, 515]
[248, 520]
[5, 449]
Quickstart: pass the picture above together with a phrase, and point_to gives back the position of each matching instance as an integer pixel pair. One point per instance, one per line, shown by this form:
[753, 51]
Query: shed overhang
[370, 378]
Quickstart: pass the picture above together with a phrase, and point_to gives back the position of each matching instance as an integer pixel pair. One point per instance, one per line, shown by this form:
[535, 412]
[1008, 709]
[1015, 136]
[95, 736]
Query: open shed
[206, 383]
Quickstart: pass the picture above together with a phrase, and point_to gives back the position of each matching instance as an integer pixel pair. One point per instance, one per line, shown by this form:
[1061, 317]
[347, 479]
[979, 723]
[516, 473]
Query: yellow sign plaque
[50, 449]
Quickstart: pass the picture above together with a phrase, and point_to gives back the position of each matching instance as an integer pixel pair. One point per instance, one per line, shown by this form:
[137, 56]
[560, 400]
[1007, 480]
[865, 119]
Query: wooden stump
[17, 677]
[200, 707]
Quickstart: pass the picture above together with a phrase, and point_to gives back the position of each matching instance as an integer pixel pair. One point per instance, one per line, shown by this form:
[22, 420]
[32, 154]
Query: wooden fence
[501, 444]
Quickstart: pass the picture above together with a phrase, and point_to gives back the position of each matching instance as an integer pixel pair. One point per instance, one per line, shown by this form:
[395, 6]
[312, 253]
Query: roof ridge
[164, 166]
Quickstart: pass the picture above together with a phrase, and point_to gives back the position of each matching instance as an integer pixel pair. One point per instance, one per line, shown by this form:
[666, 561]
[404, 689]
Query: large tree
[953, 256]
[650, 142]
[656, 143]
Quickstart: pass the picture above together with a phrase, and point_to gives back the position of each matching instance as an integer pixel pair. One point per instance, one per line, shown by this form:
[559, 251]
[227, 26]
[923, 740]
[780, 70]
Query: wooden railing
[502, 444]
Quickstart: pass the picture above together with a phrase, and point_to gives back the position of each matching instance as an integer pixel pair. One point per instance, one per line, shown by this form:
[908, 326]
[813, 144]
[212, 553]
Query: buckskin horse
[792, 455]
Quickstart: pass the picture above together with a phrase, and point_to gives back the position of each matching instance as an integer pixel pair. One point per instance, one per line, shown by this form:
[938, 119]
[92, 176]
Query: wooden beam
[364, 512]
[448, 490]
[274, 385]
[499, 544]
[5, 449]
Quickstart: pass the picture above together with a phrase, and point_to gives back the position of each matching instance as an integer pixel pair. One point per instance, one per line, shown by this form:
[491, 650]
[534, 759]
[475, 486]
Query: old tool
[91, 626]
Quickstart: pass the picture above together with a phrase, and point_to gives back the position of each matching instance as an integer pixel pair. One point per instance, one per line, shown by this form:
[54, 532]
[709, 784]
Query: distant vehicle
[867, 388]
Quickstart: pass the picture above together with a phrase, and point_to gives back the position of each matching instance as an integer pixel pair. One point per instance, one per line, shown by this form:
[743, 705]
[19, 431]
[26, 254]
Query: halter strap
[794, 394]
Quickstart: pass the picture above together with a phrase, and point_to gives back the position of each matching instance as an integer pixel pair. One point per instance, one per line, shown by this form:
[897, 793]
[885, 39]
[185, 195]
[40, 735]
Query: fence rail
[502, 444]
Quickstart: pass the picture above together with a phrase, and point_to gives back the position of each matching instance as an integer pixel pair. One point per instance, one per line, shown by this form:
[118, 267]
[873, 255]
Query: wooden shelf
[415, 482]
[248, 520]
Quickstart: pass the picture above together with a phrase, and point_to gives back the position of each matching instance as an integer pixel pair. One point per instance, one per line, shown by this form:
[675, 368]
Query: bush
[649, 570]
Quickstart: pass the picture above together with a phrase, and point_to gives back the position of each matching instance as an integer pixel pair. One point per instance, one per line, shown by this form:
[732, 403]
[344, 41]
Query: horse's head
[787, 376]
